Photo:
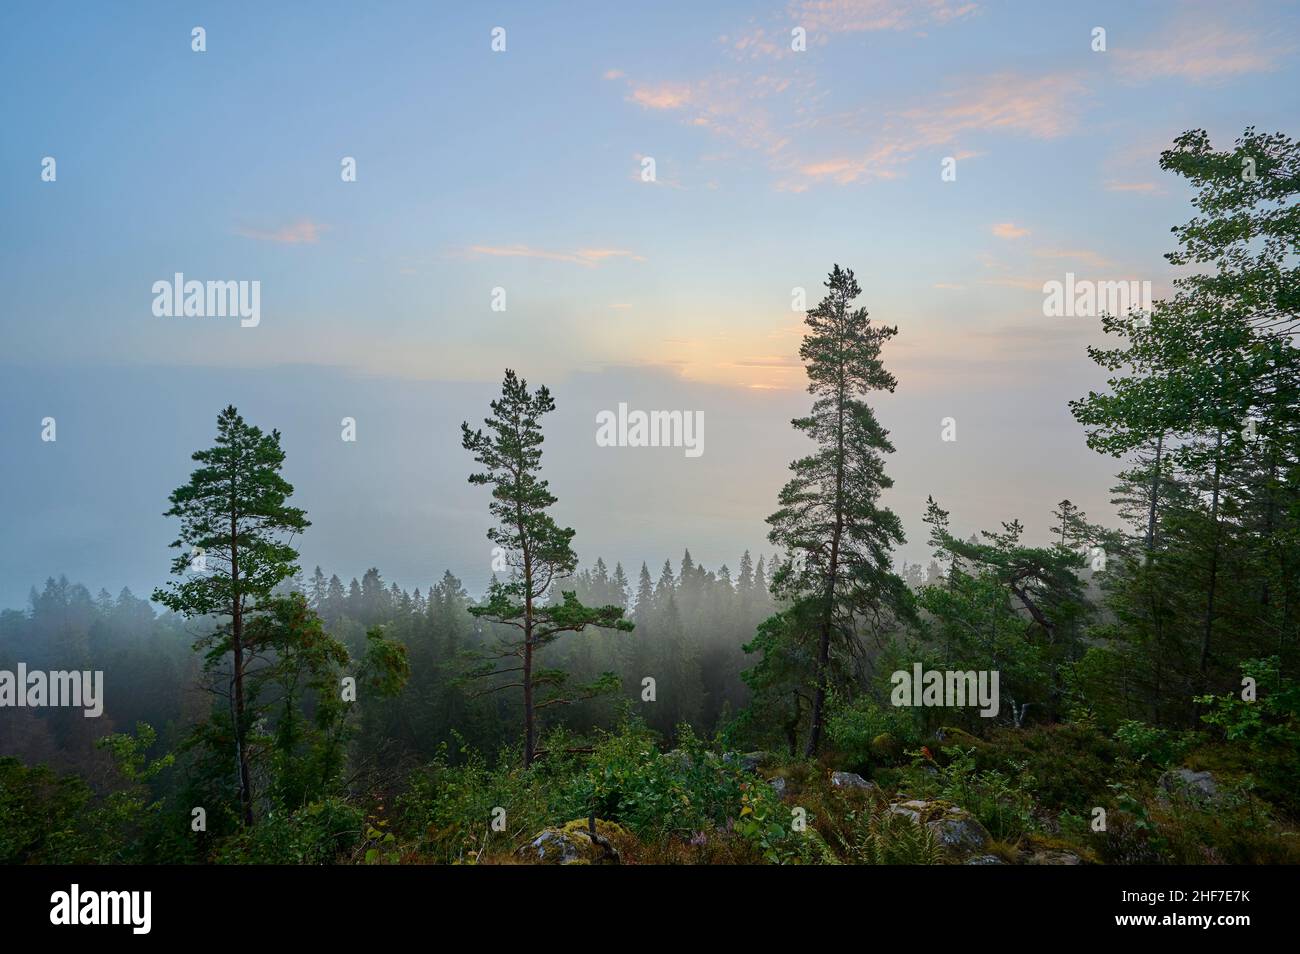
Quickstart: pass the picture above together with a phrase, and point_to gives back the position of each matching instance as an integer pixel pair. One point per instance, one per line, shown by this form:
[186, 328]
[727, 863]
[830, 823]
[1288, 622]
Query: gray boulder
[572, 844]
[956, 829]
[851, 780]
[1200, 788]
[1054, 858]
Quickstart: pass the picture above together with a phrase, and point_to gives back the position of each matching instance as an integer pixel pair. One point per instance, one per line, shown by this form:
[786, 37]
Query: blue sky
[522, 170]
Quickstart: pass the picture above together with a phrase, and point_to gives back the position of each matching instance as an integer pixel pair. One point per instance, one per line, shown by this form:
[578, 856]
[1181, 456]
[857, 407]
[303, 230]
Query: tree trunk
[1155, 494]
[1214, 566]
[530, 726]
[237, 646]
[824, 640]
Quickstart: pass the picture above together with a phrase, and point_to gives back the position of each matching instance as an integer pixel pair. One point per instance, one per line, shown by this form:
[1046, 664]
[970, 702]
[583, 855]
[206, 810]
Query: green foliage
[319, 833]
[865, 733]
[42, 817]
[1069, 764]
[448, 808]
[1003, 803]
[1273, 717]
[887, 838]
[1153, 744]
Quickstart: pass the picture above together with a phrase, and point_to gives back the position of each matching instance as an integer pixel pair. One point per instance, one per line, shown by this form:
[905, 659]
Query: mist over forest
[1109, 695]
[603, 440]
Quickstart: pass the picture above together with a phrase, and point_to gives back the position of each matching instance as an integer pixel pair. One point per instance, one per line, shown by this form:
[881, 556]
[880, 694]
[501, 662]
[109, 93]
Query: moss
[606, 829]
[1037, 841]
[571, 844]
[960, 738]
[886, 748]
[1004, 850]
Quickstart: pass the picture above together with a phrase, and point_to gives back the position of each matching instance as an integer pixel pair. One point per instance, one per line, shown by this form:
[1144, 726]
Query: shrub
[1152, 744]
[866, 732]
[319, 833]
[1002, 803]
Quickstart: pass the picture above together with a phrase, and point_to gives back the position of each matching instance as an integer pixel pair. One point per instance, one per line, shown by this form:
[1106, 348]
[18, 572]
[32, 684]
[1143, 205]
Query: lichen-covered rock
[956, 830]
[986, 860]
[1198, 787]
[851, 780]
[1054, 858]
[778, 785]
[572, 845]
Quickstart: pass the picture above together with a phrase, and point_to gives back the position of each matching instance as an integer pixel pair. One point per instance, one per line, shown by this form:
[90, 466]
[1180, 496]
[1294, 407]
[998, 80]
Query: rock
[680, 760]
[748, 762]
[986, 860]
[851, 780]
[956, 829]
[778, 786]
[1054, 858]
[1198, 787]
[572, 845]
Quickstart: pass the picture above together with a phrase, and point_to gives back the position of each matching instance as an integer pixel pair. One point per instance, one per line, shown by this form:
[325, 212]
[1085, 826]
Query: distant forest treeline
[691, 626]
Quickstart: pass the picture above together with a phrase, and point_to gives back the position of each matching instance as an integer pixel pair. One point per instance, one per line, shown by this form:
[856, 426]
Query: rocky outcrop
[573, 845]
[956, 830]
[1200, 788]
[1054, 858]
[850, 780]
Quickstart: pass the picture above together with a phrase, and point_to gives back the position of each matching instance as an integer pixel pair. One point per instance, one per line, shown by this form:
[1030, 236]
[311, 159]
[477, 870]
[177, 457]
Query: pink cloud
[305, 232]
[1009, 230]
[1200, 52]
[668, 96]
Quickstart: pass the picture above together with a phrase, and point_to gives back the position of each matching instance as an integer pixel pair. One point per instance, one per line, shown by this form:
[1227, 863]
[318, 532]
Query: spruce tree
[837, 536]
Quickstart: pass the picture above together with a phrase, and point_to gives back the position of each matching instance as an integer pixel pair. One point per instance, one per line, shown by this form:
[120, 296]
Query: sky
[525, 170]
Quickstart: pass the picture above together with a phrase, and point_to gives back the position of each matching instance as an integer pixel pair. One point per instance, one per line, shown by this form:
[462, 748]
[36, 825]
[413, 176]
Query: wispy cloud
[824, 18]
[1041, 107]
[304, 232]
[666, 96]
[1201, 52]
[1009, 230]
[587, 257]
[857, 16]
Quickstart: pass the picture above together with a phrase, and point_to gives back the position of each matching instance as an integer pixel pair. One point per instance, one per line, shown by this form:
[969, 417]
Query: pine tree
[537, 549]
[234, 516]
